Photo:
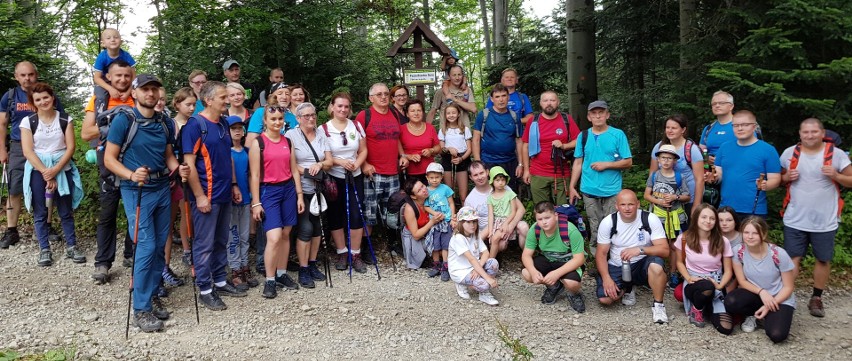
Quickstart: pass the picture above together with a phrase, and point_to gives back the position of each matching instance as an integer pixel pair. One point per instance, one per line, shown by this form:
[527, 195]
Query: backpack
[772, 248]
[567, 214]
[104, 120]
[12, 105]
[394, 212]
[487, 111]
[646, 225]
[828, 156]
[391, 109]
[357, 127]
[687, 153]
[678, 179]
[262, 145]
[63, 122]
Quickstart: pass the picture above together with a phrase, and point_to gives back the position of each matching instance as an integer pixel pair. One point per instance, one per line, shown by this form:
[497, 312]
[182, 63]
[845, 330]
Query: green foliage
[519, 350]
[63, 354]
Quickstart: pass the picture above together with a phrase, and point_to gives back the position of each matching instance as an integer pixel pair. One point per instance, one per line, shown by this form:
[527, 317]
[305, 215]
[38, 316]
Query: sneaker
[212, 301]
[75, 254]
[551, 293]
[367, 260]
[629, 298]
[462, 291]
[659, 313]
[269, 289]
[238, 282]
[292, 265]
[147, 322]
[749, 325]
[229, 290]
[577, 302]
[285, 281]
[315, 272]
[358, 264]
[127, 263]
[674, 280]
[45, 258]
[170, 279]
[305, 279]
[101, 275]
[815, 307]
[342, 262]
[445, 273]
[435, 270]
[487, 298]
[696, 317]
[52, 234]
[162, 292]
[9, 239]
[158, 310]
[248, 278]
[186, 259]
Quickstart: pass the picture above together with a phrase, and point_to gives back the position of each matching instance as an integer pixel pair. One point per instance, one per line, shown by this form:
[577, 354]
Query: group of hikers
[236, 169]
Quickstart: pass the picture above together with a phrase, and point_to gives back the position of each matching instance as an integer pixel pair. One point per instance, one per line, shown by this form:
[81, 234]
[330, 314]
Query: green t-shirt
[502, 206]
[552, 246]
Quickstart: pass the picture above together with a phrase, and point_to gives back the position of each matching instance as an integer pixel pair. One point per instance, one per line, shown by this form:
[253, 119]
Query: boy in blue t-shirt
[238, 245]
[440, 201]
[111, 42]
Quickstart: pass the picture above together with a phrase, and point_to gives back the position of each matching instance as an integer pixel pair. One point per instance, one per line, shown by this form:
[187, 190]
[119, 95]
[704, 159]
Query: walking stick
[382, 217]
[190, 234]
[364, 221]
[135, 243]
[348, 228]
[323, 239]
[757, 194]
[5, 184]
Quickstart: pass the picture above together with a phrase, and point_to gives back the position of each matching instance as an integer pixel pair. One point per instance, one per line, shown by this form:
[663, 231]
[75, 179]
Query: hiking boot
[696, 317]
[551, 293]
[577, 302]
[269, 289]
[162, 292]
[815, 307]
[101, 275]
[658, 311]
[237, 280]
[629, 298]
[487, 298]
[158, 310]
[674, 280]
[229, 290]
[445, 273]
[170, 279]
[213, 302]
[305, 279]
[462, 291]
[52, 234]
[248, 277]
[367, 260]
[284, 281]
[127, 263]
[147, 322]
[10, 238]
[186, 258]
[315, 272]
[342, 262]
[45, 258]
[749, 325]
[75, 254]
[435, 270]
[358, 264]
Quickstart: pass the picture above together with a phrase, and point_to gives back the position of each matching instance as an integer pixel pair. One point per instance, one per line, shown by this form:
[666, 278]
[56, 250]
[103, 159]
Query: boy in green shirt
[559, 264]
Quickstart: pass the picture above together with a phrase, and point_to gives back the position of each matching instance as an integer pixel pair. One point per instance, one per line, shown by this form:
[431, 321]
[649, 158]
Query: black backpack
[104, 120]
[395, 203]
[646, 225]
[63, 122]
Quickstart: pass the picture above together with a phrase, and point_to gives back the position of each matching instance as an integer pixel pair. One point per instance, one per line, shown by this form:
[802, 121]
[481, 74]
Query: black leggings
[776, 324]
[701, 295]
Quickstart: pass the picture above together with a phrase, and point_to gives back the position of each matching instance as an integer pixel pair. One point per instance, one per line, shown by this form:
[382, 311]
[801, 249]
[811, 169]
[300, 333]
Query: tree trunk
[161, 34]
[28, 14]
[582, 74]
[500, 29]
[687, 29]
[486, 32]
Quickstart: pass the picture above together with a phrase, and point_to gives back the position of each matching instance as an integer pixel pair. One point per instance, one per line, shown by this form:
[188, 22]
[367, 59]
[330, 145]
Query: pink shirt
[703, 262]
[276, 160]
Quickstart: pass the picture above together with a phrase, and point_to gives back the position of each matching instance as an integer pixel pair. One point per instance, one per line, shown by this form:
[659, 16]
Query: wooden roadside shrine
[420, 32]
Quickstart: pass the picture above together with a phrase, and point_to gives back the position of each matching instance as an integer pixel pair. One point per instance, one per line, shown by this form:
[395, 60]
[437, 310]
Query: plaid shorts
[377, 191]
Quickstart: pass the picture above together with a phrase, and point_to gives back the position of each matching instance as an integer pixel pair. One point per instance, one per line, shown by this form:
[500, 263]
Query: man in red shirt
[383, 153]
[547, 140]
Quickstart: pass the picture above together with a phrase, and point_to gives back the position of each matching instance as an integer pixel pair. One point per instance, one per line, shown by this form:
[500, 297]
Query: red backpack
[828, 155]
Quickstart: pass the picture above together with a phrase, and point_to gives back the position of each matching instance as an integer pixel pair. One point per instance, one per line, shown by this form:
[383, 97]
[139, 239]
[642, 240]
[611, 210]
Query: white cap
[435, 168]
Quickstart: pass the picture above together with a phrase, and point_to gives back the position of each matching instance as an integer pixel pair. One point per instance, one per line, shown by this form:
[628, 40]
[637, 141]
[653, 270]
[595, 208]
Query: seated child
[469, 262]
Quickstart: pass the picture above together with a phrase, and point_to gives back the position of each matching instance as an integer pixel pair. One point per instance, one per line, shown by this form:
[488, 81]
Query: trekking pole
[135, 246]
[348, 227]
[189, 232]
[364, 221]
[382, 217]
[4, 184]
[757, 194]
[323, 239]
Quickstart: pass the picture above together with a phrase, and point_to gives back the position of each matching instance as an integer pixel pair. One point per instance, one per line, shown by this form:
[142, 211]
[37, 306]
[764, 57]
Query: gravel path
[405, 316]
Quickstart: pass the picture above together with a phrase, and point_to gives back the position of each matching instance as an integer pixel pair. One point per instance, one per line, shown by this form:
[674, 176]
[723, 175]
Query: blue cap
[234, 120]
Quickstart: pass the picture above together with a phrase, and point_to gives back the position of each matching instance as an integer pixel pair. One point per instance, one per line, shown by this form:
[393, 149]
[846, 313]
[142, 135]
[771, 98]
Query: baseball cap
[467, 213]
[495, 171]
[145, 79]
[598, 104]
[234, 120]
[229, 63]
[668, 148]
[435, 168]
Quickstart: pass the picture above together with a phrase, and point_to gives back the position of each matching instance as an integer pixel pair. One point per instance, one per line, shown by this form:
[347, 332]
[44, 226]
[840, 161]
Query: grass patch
[520, 352]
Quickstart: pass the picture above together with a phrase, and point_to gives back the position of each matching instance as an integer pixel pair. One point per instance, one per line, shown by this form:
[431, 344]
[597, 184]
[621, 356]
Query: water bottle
[626, 276]
[48, 197]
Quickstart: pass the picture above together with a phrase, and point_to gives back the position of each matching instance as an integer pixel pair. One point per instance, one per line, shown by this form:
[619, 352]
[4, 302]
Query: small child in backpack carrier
[559, 265]
[238, 245]
[503, 205]
[667, 192]
[456, 148]
[469, 262]
[440, 201]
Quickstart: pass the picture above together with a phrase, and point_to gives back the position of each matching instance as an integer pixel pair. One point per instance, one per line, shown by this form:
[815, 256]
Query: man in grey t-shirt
[812, 171]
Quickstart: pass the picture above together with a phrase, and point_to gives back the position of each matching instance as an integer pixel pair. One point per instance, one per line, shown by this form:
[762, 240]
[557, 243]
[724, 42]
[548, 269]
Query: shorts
[441, 240]
[309, 224]
[638, 272]
[796, 243]
[498, 221]
[279, 205]
[545, 266]
[336, 213]
[376, 194]
[448, 165]
[16, 168]
[177, 192]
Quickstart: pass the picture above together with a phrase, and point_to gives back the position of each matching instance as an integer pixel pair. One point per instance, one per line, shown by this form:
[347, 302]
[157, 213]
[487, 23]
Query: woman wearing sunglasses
[349, 151]
[255, 124]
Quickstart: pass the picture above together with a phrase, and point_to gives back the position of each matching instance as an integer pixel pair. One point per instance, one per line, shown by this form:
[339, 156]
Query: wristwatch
[641, 251]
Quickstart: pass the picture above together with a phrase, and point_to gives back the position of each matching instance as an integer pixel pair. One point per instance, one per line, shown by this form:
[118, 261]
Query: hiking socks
[12, 229]
[342, 250]
[444, 266]
[356, 252]
[817, 292]
[312, 263]
[280, 272]
[220, 284]
[658, 303]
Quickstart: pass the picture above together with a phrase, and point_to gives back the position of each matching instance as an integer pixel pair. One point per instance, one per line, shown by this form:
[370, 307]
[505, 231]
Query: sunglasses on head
[273, 110]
